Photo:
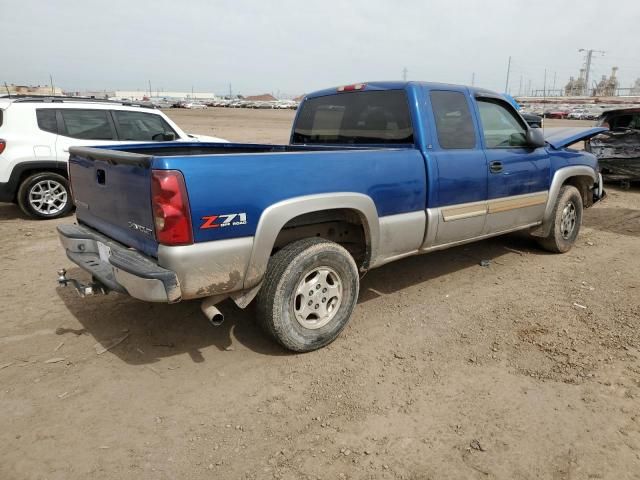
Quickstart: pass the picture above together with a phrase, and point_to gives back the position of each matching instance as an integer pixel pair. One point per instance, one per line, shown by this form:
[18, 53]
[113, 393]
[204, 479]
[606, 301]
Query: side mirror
[163, 137]
[535, 137]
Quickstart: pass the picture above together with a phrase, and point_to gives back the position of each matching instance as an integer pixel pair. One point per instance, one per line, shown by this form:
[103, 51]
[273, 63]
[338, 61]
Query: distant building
[265, 97]
[635, 90]
[29, 90]
[607, 87]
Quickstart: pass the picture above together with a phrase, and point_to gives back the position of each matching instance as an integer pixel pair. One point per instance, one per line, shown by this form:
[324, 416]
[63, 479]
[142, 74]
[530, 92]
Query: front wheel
[45, 195]
[309, 292]
[567, 218]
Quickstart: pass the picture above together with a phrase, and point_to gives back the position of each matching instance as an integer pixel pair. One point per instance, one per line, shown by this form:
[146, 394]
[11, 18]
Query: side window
[501, 128]
[140, 126]
[47, 120]
[454, 123]
[87, 124]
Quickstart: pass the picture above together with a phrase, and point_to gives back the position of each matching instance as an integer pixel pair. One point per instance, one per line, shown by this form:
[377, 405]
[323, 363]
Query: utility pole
[150, 92]
[506, 86]
[554, 81]
[230, 92]
[53, 92]
[404, 74]
[544, 85]
[473, 79]
[587, 62]
[520, 86]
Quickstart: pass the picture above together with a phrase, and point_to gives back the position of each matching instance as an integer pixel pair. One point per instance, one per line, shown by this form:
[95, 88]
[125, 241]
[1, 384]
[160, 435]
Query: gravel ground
[526, 369]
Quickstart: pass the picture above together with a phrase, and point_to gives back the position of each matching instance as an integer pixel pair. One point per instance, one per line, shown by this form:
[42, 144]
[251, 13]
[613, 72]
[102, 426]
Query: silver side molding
[208, 268]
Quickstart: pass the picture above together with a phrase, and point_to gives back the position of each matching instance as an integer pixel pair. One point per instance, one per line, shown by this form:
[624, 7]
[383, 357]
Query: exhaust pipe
[214, 316]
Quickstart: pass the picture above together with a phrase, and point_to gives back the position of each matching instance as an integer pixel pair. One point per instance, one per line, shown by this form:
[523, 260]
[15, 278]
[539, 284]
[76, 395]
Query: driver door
[518, 175]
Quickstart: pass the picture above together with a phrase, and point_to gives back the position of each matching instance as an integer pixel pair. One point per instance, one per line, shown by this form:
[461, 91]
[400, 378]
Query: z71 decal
[221, 221]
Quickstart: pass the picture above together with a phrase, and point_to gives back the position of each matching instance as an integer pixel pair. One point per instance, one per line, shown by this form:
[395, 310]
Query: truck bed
[112, 186]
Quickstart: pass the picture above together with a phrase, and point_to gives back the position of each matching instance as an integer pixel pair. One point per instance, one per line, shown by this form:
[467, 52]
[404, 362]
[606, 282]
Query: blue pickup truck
[373, 173]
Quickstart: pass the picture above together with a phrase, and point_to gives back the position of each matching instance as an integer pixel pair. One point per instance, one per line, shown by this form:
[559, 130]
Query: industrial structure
[12, 89]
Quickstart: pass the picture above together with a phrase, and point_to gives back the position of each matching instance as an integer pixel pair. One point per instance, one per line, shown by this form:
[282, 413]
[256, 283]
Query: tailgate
[112, 193]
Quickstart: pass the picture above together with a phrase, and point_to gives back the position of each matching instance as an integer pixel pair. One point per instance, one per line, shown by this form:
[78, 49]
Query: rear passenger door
[462, 167]
[83, 127]
[518, 174]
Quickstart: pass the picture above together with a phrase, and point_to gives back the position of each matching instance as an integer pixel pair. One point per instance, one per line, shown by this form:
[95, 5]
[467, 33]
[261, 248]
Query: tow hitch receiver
[84, 290]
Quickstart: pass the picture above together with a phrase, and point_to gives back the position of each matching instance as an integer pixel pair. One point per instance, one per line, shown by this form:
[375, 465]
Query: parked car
[373, 173]
[556, 114]
[618, 150]
[36, 133]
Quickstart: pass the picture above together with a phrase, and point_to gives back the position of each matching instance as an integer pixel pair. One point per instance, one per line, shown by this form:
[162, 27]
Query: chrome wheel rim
[568, 220]
[317, 298]
[48, 197]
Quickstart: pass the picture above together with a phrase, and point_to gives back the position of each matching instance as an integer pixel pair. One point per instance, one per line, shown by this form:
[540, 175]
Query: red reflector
[170, 205]
[351, 88]
[3, 145]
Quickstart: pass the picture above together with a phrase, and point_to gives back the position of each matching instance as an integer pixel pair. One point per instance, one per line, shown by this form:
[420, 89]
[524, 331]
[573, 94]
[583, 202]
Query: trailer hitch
[83, 289]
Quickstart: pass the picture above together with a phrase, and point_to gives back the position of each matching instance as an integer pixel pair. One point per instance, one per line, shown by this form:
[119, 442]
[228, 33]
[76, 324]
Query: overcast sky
[300, 46]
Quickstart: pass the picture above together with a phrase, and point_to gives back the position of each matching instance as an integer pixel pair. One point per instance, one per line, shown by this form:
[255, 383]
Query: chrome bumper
[118, 268]
[598, 190]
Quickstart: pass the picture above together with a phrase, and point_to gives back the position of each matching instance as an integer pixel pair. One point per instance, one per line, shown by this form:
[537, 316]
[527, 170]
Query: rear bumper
[118, 268]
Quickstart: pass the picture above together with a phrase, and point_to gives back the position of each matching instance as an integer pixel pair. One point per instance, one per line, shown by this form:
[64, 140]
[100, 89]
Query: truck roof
[401, 85]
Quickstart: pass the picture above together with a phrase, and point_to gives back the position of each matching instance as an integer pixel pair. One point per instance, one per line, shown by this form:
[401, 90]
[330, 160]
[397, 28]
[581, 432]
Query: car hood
[563, 137]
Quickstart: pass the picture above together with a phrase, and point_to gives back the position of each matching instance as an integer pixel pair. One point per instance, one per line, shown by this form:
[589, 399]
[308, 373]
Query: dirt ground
[526, 369]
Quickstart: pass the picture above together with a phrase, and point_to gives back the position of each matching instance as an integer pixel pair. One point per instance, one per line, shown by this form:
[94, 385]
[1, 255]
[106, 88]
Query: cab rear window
[377, 117]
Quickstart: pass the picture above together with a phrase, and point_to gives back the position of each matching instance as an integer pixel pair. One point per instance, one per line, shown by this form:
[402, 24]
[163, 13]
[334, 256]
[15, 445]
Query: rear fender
[275, 217]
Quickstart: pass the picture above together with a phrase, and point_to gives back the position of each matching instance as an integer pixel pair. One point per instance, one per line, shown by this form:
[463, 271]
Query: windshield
[377, 117]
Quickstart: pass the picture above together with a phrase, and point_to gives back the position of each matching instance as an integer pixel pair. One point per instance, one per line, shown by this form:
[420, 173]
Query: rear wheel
[309, 292]
[45, 195]
[567, 218]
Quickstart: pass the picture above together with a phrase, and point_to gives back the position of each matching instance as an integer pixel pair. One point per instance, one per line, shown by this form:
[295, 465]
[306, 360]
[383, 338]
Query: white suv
[36, 133]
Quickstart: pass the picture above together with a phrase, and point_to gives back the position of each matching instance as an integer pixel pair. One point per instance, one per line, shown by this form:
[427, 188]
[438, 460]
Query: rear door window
[375, 117]
[87, 124]
[500, 126]
[141, 126]
[454, 123]
[47, 120]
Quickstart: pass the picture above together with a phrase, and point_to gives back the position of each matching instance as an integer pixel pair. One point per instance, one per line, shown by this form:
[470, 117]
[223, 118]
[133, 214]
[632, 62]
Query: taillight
[3, 145]
[170, 208]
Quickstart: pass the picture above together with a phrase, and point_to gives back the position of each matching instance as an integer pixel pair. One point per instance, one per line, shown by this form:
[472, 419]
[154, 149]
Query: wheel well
[27, 172]
[583, 183]
[343, 226]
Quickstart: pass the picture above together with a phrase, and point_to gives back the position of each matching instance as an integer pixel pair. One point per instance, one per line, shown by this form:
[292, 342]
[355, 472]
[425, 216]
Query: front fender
[560, 177]
[276, 216]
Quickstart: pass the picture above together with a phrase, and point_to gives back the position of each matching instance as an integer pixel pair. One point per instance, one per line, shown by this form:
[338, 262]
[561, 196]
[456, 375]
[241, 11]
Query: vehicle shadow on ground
[412, 271]
[158, 331]
[10, 211]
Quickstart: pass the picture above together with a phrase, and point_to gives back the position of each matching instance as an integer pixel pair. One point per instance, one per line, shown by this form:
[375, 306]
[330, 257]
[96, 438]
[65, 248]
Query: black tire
[278, 299]
[27, 189]
[561, 238]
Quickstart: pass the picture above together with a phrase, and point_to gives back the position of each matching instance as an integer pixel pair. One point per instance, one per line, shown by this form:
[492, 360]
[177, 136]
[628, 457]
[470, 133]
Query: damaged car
[618, 150]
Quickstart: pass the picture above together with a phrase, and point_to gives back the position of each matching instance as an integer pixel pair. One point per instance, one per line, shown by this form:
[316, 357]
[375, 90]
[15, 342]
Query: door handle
[495, 167]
